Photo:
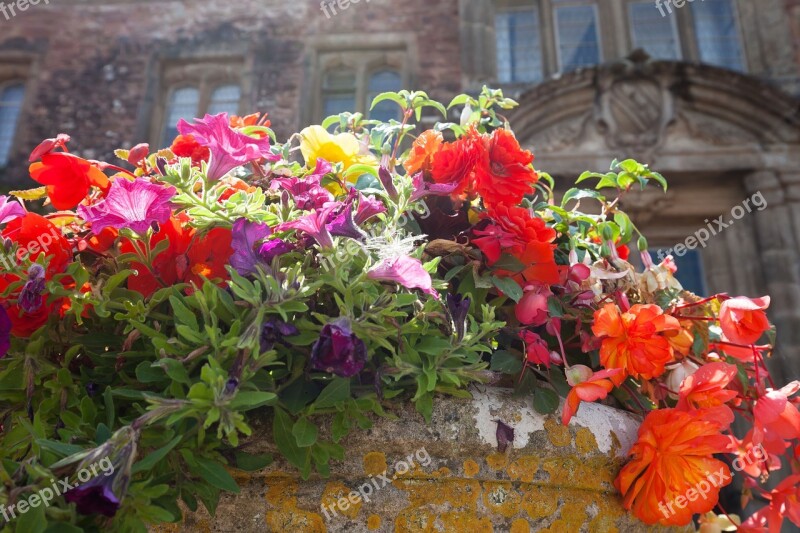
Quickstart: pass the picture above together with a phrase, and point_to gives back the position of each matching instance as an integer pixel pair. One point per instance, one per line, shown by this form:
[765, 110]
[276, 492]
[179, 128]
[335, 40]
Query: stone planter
[552, 478]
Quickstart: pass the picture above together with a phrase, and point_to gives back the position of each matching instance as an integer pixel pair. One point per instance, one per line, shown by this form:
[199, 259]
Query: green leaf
[506, 362]
[334, 394]
[182, 313]
[32, 521]
[59, 447]
[625, 227]
[215, 474]
[545, 401]
[394, 97]
[554, 307]
[252, 463]
[247, 400]
[286, 443]
[305, 432]
[152, 458]
[579, 194]
[509, 287]
[510, 263]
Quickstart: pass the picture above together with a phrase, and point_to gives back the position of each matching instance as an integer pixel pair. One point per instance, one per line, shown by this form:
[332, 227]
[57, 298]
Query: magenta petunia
[406, 271]
[229, 148]
[10, 209]
[130, 204]
[314, 224]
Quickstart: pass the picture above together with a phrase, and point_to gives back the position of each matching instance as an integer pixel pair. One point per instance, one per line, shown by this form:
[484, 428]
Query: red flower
[514, 231]
[588, 386]
[505, 174]
[34, 236]
[187, 146]
[188, 258]
[68, 178]
[776, 419]
[743, 320]
[455, 162]
[536, 350]
[707, 387]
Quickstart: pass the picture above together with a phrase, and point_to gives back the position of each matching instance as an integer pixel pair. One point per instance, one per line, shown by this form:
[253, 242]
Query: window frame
[364, 54]
[737, 20]
[675, 22]
[204, 75]
[529, 5]
[6, 83]
[556, 4]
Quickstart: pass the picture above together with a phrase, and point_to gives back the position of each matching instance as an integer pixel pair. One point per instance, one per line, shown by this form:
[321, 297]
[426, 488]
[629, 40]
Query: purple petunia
[229, 148]
[315, 225]
[246, 236]
[5, 332]
[130, 204]
[338, 350]
[307, 192]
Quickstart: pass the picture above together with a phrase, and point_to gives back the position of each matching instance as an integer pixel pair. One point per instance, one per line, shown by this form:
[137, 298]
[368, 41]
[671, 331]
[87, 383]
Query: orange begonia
[673, 474]
[634, 340]
[420, 159]
[707, 387]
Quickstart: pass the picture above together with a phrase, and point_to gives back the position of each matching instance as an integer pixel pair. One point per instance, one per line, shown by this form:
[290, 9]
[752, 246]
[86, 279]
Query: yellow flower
[316, 142]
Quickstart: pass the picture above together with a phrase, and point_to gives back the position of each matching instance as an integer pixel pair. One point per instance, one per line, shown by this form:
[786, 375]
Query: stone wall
[551, 478]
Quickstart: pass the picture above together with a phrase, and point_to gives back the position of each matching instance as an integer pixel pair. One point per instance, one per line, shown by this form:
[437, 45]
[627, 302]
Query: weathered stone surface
[552, 478]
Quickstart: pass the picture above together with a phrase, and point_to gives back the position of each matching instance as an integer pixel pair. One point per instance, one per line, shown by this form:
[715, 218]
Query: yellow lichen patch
[573, 512]
[585, 441]
[335, 497]
[524, 469]
[520, 525]
[559, 526]
[501, 497]
[558, 434]
[461, 522]
[295, 520]
[458, 493]
[281, 490]
[574, 472]
[282, 494]
[375, 463]
[539, 502]
[497, 461]
[471, 468]
[373, 522]
[241, 477]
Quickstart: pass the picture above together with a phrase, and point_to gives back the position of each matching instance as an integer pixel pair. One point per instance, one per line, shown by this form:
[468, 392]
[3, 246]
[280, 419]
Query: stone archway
[718, 136]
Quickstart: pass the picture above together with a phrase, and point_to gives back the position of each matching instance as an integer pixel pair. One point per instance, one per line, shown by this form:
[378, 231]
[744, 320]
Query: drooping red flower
[743, 320]
[514, 231]
[588, 386]
[34, 236]
[707, 387]
[504, 174]
[188, 259]
[776, 418]
[68, 178]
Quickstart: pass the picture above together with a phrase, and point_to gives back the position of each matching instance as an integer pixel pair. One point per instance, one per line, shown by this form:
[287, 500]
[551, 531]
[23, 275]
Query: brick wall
[94, 62]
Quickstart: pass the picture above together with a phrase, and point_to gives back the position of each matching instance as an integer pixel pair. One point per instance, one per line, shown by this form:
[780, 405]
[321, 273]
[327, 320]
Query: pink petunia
[229, 148]
[130, 204]
[406, 271]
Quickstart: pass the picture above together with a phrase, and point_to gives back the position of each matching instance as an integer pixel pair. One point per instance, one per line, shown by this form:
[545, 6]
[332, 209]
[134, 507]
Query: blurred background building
[705, 91]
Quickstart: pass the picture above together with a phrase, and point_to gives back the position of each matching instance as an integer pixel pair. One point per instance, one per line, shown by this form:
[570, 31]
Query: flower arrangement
[151, 310]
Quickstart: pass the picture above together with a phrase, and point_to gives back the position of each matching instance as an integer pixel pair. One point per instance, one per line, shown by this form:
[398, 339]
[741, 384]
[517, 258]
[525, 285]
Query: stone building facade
[712, 102]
